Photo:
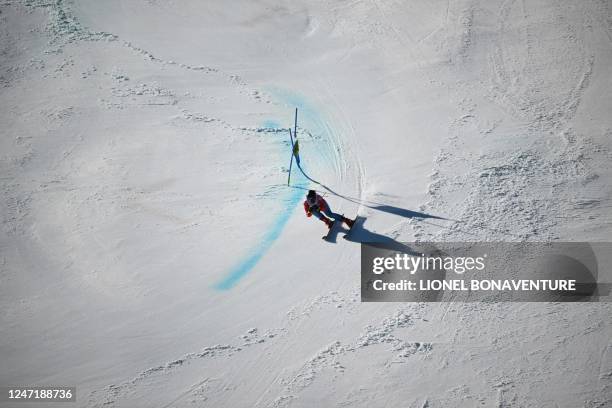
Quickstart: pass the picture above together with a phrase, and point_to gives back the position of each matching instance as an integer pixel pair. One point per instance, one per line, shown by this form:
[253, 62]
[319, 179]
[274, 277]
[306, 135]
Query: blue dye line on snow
[293, 198]
[249, 262]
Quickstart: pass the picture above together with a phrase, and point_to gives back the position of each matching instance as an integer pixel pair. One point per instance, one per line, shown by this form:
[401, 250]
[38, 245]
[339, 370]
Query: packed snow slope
[152, 254]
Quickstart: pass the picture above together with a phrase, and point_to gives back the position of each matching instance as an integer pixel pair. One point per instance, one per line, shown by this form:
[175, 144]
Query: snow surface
[152, 255]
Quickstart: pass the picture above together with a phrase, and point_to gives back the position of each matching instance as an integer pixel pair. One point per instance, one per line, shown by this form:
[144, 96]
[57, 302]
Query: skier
[315, 204]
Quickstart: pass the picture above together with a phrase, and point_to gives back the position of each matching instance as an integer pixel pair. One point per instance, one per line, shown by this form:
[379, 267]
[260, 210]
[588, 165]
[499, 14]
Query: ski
[347, 235]
[327, 237]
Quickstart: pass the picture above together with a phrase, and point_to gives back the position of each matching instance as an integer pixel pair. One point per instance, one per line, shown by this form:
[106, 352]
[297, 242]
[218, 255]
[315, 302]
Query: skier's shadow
[360, 234]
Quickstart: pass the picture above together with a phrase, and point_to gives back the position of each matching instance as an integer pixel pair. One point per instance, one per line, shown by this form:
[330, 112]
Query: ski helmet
[312, 197]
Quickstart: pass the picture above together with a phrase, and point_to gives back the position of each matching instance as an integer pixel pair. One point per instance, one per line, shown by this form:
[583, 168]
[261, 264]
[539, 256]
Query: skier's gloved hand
[309, 214]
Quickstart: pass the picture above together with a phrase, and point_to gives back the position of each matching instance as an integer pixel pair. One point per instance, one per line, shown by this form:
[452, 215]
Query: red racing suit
[321, 205]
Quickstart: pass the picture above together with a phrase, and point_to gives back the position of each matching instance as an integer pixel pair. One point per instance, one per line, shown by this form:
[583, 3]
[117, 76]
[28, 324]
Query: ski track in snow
[287, 388]
[113, 393]
[558, 159]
